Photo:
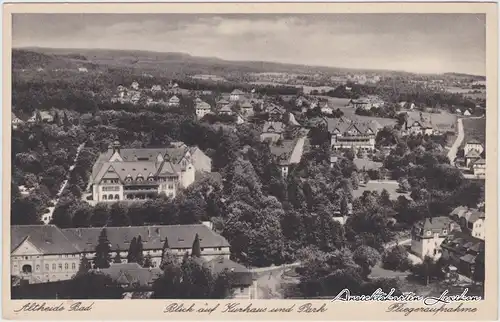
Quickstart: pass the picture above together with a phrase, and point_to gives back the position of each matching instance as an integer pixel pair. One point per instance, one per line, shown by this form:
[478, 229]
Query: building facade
[427, 236]
[352, 134]
[141, 174]
[46, 253]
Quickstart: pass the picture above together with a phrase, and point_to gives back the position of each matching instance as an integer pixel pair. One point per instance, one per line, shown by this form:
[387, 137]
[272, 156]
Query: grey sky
[428, 43]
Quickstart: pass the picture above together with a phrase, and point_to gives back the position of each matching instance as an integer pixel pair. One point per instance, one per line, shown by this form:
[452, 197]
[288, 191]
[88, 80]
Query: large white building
[46, 253]
[427, 236]
[352, 134]
[140, 174]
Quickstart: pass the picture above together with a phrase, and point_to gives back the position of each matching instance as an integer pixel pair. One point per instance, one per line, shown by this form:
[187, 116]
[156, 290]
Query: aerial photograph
[247, 156]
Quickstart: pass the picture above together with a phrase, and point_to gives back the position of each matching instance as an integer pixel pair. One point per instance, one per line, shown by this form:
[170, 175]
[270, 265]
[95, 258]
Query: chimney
[116, 146]
[209, 224]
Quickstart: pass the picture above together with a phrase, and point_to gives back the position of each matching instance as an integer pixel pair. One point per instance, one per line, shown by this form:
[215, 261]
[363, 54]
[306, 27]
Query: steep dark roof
[130, 273]
[153, 237]
[238, 274]
[47, 238]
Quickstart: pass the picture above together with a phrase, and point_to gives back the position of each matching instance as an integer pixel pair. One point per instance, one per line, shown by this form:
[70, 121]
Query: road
[397, 243]
[267, 284]
[452, 153]
[47, 217]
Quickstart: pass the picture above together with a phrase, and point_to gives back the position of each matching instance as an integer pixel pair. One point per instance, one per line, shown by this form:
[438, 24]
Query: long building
[46, 253]
[352, 134]
[140, 174]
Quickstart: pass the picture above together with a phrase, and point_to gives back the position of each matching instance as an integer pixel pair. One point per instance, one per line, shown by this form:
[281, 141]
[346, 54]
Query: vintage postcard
[238, 161]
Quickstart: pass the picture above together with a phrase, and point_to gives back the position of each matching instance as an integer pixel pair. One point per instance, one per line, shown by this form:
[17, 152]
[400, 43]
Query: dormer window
[140, 179]
[151, 179]
[128, 178]
[429, 233]
[445, 231]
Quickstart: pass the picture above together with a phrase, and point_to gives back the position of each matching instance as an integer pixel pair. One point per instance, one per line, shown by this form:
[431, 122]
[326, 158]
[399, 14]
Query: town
[246, 183]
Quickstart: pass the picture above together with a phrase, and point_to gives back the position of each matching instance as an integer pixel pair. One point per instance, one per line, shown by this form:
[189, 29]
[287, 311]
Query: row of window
[38, 256]
[47, 267]
[111, 188]
[110, 181]
[110, 197]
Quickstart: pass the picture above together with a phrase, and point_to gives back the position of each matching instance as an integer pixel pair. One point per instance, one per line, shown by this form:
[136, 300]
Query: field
[443, 121]
[307, 89]
[391, 187]
[474, 129]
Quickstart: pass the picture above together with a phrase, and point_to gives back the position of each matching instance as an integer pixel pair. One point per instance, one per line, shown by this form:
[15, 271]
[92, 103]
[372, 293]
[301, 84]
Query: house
[82, 69]
[174, 101]
[473, 145]
[428, 234]
[132, 276]
[479, 168]
[221, 103]
[41, 116]
[325, 109]
[140, 174]
[275, 112]
[246, 108]
[352, 134]
[226, 109]
[135, 86]
[272, 131]
[471, 157]
[467, 113]
[462, 250]
[240, 278]
[156, 88]
[417, 125]
[287, 153]
[470, 220]
[16, 122]
[202, 108]
[236, 95]
[46, 253]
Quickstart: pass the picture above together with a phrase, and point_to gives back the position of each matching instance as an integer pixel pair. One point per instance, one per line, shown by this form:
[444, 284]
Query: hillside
[157, 62]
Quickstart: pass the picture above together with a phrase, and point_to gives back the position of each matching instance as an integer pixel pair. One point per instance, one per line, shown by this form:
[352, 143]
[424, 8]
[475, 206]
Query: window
[60, 267]
[73, 266]
[128, 180]
[151, 179]
[170, 186]
[110, 197]
[428, 233]
[25, 257]
[47, 267]
[117, 197]
[37, 267]
[53, 267]
[66, 266]
[104, 197]
[445, 231]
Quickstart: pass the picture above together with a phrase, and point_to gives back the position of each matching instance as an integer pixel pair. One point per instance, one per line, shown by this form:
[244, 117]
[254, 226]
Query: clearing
[474, 128]
[375, 185]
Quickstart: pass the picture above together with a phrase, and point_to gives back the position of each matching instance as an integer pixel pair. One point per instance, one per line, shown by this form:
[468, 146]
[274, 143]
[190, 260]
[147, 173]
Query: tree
[84, 266]
[92, 285]
[396, 259]
[148, 261]
[404, 185]
[102, 251]
[196, 250]
[132, 251]
[366, 257]
[478, 273]
[139, 251]
[117, 259]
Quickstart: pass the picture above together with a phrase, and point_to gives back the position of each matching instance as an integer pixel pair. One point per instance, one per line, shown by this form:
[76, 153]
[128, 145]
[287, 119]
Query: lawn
[474, 129]
[390, 185]
[443, 121]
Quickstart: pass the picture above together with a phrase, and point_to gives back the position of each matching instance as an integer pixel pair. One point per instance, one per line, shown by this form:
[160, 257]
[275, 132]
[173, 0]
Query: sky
[421, 43]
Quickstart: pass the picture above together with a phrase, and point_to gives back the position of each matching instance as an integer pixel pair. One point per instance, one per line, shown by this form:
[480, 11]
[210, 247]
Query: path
[268, 280]
[47, 217]
[297, 151]
[452, 153]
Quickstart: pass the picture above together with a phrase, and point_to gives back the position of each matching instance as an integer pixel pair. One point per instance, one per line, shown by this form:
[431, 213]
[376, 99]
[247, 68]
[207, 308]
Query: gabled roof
[237, 92]
[201, 105]
[473, 153]
[246, 104]
[47, 238]
[238, 274]
[130, 273]
[274, 127]
[153, 237]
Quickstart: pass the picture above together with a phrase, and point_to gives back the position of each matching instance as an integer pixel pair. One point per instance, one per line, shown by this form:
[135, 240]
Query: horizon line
[254, 61]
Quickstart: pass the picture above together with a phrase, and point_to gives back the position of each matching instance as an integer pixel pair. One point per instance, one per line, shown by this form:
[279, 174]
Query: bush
[396, 259]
